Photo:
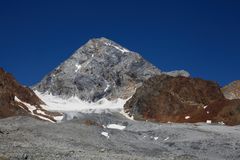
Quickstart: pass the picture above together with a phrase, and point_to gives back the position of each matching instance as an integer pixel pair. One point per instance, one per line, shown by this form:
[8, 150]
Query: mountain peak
[99, 69]
[101, 40]
[104, 43]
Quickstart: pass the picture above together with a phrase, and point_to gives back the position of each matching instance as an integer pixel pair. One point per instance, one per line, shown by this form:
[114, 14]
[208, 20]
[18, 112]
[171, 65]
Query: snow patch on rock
[187, 117]
[32, 108]
[208, 121]
[166, 139]
[78, 67]
[117, 47]
[105, 134]
[116, 126]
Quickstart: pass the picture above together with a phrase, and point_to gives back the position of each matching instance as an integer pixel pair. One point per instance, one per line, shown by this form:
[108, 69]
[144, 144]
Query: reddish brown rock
[180, 99]
[16, 99]
[227, 111]
[232, 90]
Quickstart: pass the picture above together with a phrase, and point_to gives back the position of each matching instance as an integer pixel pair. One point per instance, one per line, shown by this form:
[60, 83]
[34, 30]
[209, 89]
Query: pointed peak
[102, 41]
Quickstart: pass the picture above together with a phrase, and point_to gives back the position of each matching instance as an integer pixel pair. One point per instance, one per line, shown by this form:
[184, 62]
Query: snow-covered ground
[74, 104]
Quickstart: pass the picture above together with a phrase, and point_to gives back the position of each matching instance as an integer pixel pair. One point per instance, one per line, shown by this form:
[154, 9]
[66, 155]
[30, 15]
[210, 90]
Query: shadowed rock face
[181, 99]
[99, 69]
[10, 90]
[232, 91]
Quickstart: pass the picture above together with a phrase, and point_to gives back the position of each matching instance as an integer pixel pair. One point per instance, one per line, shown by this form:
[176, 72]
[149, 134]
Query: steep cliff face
[232, 90]
[99, 69]
[180, 99]
[16, 100]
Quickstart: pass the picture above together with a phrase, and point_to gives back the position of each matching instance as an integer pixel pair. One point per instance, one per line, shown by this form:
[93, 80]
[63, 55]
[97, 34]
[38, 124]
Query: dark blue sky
[202, 37]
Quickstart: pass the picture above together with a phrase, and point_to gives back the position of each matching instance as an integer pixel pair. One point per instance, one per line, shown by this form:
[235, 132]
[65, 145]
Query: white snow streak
[126, 115]
[41, 112]
[166, 139]
[117, 47]
[78, 66]
[105, 90]
[32, 108]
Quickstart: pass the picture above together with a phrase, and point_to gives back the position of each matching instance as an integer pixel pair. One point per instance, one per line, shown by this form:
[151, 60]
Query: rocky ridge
[16, 100]
[182, 99]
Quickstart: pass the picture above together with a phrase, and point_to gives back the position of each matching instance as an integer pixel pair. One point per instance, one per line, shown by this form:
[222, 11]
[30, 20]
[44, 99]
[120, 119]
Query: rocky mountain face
[232, 91]
[181, 99]
[16, 100]
[99, 69]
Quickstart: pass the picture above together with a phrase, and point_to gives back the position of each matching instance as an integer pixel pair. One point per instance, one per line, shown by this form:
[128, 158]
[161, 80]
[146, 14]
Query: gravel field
[88, 137]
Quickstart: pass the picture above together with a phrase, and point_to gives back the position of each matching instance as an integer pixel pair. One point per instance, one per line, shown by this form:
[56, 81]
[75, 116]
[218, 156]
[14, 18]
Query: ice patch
[155, 138]
[116, 126]
[105, 134]
[92, 55]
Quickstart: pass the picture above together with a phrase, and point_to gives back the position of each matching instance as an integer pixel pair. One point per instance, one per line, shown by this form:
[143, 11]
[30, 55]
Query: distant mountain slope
[232, 90]
[17, 100]
[99, 69]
